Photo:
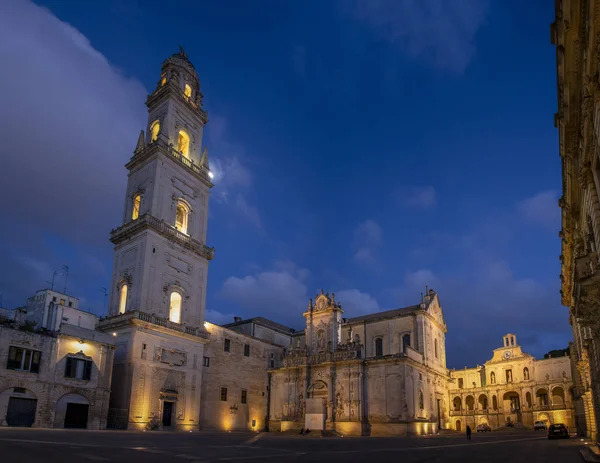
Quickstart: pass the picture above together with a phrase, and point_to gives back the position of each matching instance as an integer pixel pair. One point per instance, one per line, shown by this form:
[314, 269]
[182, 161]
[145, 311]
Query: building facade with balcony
[59, 378]
[512, 388]
[379, 374]
[576, 34]
[158, 289]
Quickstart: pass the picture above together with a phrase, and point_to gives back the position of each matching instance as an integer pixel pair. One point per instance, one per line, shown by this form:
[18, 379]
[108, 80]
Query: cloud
[440, 32]
[367, 238]
[542, 208]
[72, 124]
[415, 197]
[355, 302]
[280, 293]
[248, 211]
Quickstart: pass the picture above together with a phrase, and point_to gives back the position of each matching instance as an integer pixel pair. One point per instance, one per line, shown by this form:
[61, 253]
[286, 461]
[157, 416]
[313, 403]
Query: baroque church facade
[378, 374]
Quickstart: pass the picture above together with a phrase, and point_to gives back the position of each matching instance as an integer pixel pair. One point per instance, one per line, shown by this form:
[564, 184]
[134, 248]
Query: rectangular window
[23, 359]
[54, 299]
[227, 345]
[460, 383]
[78, 369]
[206, 361]
[223, 394]
[247, 350]
[70, 304]
[62, 302]
[244, 396]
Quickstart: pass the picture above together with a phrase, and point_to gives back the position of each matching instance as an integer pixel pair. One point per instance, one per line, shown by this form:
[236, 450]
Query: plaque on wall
[171, 356]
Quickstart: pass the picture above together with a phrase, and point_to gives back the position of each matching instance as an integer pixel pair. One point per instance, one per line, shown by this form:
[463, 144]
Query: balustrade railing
[159, 321]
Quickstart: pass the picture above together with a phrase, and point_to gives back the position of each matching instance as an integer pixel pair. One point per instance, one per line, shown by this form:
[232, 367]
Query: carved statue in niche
[321, 340]
[301, 406]
[339, 404]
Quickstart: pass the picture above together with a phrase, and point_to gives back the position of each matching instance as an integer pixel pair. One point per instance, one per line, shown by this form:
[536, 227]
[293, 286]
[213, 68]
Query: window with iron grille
[223, 394]
[244, 396]
[247, 350]
[206, 361]
[227, 345]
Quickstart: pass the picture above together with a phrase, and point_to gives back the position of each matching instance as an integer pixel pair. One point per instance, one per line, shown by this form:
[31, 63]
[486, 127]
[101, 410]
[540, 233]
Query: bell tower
[161, 258]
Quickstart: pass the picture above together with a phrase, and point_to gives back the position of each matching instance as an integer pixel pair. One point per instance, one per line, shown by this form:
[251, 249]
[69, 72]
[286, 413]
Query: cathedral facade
[379, 374]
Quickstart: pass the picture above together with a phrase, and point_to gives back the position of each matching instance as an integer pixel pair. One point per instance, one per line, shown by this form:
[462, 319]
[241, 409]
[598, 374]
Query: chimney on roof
[237, 319]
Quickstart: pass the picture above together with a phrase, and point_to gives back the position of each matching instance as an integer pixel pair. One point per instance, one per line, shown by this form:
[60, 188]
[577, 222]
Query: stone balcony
[160, 146]
[163, 228]
[134, 316]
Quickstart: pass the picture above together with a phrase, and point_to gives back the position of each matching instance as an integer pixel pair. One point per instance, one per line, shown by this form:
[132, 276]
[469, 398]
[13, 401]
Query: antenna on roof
[66, 270]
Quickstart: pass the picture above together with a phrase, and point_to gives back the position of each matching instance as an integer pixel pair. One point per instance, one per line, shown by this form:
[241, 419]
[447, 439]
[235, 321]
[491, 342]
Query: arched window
[421, 404]
[154, 131]
[525, 373]
[187, 91]
[181, 217]
[405, 342]
[163, 80]
[175, 308]
[493, 378]
[123, 299]
[379, 347]
[435, 348]
[183, 144]
[137, 202]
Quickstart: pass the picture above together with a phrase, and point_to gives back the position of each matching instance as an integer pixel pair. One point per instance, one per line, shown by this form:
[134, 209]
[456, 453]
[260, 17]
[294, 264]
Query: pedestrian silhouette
[469, 432]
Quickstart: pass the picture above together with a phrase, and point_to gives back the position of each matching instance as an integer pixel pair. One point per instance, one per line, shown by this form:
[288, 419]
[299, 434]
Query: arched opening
[544, 417]
[483, 420]
[492, 378]
[72, 412]
[137, 202]
[483, 402]
[379, 347]
[181, 217]
[526, 374]
[183, 144]
[470, 402]
[558, 396]
[457, 404]
[421, 400]
[512, 402]
[458, 426]
[528, 400]
[405, 342]
[187, 91]
[175, 307]
[435, 348]
[123, 299]
[495, 402]
[22, 406]
[541, 397]
[154, 131]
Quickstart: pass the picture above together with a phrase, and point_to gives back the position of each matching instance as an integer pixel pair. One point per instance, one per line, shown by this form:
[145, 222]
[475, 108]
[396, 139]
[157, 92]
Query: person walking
[468, 432]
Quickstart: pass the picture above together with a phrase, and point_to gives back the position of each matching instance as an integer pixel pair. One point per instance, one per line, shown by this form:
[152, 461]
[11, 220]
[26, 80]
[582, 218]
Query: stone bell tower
[158, 289]
[161, 259]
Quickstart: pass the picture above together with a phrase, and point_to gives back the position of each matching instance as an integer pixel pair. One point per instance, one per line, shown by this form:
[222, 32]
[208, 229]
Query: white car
[540, 425]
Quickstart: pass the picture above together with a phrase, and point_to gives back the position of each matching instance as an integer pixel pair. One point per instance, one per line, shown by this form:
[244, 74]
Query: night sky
[369, 148]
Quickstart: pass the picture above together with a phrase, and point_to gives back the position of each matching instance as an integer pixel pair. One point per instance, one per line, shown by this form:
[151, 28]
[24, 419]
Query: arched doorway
[558, 396]
[483, 402]
[21, 406]
[457, 404]
[72, 412]
[458, 426]
[470, 402]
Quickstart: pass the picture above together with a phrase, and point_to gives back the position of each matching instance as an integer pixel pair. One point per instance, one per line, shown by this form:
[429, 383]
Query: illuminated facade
[576, 34]
[158, 288]
[512, 387]
[379, 374]
[59, 379]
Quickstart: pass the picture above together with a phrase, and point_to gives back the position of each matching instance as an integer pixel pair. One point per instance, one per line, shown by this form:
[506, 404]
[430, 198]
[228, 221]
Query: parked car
[558, 431]
[483, 428]
[540, 425]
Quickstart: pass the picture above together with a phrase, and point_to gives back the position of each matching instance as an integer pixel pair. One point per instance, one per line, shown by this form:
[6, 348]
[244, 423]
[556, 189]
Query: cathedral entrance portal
[167, 413]
[316, 406]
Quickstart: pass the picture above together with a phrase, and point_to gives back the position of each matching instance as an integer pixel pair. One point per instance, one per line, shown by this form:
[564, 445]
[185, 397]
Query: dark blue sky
[365, 147]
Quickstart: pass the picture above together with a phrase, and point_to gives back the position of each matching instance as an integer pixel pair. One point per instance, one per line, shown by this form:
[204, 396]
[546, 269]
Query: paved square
[56, 446]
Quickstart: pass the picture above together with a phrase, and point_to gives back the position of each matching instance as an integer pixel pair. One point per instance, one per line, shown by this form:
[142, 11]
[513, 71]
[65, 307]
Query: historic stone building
[379, 374]
[59, 378]
[576, 34]
[512, 388]
[158, 289]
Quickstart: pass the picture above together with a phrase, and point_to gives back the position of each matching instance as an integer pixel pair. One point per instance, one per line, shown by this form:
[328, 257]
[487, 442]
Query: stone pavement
[54, 446]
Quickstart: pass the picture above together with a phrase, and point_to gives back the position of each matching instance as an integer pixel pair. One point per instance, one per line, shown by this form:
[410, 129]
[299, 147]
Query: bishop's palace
[154, 363]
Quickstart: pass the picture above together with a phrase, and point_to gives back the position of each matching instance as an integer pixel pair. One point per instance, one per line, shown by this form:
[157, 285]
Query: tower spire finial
[182, 51]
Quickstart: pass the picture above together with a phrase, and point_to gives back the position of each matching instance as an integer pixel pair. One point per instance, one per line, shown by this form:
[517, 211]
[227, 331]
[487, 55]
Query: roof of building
[262, 321]
[385, 314]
